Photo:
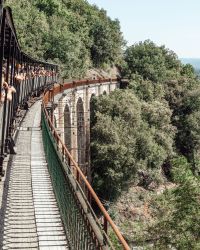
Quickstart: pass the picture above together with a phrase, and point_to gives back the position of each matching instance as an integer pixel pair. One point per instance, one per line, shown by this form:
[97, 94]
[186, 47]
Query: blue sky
[174, 23]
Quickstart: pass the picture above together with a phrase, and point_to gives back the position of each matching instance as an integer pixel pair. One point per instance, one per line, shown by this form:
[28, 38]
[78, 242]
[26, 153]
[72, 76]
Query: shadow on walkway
[4, 184]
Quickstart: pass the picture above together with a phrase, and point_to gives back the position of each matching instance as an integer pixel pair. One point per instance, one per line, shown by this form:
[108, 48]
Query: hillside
[71, 33]
[145, 150]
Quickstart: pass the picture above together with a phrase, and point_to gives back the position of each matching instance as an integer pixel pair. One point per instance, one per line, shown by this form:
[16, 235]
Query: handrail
[65, 151]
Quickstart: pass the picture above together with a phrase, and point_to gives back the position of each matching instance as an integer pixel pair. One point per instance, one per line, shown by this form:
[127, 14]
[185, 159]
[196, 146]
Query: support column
[74, 126]
[87, 134]
[60, 123]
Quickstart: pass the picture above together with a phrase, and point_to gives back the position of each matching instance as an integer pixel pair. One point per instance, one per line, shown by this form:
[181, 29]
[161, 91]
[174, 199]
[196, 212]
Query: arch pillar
[71, 98]
[60, 121]
[67, 127]
[81, 138]
[74, 126]
[87, 134]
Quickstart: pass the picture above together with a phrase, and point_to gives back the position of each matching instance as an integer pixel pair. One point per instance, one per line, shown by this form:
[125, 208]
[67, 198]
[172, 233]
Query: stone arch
[92, 96]
[92, 121]
[67, 127]
[81, 134]
[91, 105]
[55, 122]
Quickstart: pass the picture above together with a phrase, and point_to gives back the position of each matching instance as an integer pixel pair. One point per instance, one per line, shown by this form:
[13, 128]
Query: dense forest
[143, 137]
[148, 136]
[71, 33]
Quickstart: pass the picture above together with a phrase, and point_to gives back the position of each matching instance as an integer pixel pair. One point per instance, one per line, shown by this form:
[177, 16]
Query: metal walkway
[32, 219]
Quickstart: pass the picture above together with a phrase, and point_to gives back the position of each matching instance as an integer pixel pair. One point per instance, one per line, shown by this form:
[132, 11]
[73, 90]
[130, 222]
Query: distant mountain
[195, 62]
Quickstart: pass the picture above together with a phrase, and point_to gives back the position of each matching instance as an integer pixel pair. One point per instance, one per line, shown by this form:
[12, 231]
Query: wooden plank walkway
[32, 219]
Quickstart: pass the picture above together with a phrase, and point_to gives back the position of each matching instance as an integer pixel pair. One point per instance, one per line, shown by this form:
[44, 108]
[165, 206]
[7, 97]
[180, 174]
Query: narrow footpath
[31, 218]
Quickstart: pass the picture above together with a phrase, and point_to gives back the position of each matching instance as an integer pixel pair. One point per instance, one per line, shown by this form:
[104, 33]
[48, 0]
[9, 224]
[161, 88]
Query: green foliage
[71, 33]
[177, 223]
[144, 129]
[115, 241]
[31, 37]
[145, 89]
[157, 74]
[127, 136]
[103, 49]
[67, 48]
[150, 61]
[113, 144]
[50, 7]
[186, 118]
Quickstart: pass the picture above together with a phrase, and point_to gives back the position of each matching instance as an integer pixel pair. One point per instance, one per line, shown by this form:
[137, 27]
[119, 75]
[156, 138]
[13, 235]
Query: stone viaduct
[72, 118]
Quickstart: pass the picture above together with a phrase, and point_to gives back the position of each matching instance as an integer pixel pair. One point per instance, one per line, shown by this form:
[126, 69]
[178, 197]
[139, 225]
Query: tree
[128, 136]
[177, 225]
[107, 42]
[50, 7]
[67, 48]
[71, 33]
[150, 61]
[113, 146]
[31, 27]
[187, 121]
[156, 74]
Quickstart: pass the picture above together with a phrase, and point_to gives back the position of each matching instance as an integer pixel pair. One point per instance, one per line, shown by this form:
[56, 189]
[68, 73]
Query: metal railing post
[9, 81]
[1, 11]
[1, 72]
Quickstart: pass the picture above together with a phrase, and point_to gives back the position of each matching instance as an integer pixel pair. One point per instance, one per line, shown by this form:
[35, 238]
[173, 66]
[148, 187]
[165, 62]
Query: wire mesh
[75, 213]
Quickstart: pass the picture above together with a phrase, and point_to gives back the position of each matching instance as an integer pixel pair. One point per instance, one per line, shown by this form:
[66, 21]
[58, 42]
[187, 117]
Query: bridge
[47, 201]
